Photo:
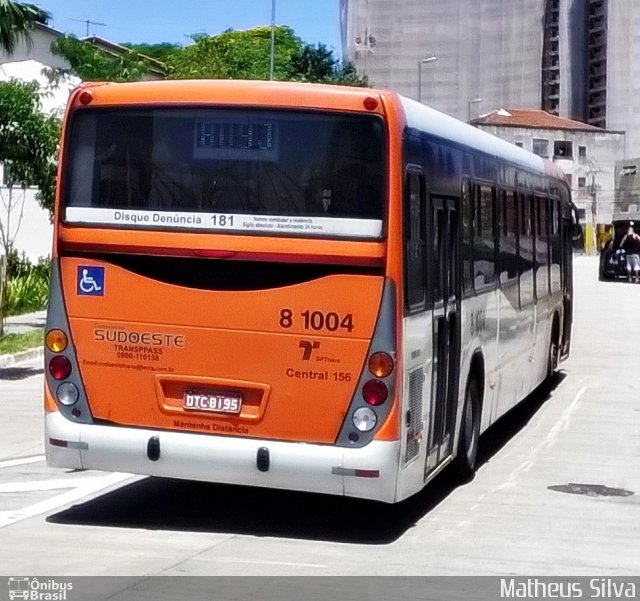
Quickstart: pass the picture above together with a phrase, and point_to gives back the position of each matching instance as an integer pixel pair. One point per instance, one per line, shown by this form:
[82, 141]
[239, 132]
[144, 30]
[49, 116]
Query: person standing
[631, 245]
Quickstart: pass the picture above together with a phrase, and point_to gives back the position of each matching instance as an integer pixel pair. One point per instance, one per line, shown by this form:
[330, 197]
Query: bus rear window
[277, 172]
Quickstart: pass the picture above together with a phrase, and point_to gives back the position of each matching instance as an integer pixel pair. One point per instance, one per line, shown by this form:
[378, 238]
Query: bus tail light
[60, 367]
[85, 97]
[56, 341]
[380, 365]
[375, 392]
[364, 419]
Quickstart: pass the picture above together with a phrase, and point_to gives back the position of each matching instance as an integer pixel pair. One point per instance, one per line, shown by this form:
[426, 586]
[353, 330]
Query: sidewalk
[18, 324]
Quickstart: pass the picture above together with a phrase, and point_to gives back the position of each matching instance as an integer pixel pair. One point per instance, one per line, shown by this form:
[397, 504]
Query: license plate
[214, 402]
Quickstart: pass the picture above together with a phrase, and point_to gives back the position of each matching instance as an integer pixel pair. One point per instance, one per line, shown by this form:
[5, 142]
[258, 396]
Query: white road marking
[22, 461]
[547, 442]
[269, 563]
[81, 488]
[37, 485]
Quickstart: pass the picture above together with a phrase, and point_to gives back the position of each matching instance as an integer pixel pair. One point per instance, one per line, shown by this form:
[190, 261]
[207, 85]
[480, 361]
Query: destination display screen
[226, 139]
[244, 136]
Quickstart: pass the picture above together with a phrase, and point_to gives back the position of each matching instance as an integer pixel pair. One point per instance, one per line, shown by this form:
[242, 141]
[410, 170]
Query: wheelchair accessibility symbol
[90, 281]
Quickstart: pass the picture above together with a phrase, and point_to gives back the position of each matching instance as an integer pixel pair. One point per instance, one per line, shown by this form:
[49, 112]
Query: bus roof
[232, 92]
[443, 126]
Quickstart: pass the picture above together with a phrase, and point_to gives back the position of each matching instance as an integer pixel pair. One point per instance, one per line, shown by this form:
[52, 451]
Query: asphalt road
[558, 491]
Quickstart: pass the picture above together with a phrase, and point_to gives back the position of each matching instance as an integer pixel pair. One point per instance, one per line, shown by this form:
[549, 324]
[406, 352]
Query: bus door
[443, 258]
[566, 240]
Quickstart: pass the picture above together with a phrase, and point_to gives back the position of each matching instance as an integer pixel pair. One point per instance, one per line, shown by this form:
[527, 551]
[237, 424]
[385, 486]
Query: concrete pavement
[18, 324]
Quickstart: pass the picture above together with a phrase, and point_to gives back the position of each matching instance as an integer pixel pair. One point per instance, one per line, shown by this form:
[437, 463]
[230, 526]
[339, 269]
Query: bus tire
[464, 465]
[554, 351]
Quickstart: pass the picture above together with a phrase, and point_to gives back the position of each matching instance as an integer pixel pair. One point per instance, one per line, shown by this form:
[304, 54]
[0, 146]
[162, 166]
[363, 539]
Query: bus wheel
[465, 462]
[552, 358]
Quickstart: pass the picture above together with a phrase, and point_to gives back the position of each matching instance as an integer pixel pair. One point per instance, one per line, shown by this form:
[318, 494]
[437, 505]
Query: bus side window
[484, 260]
[542, 248]
[508, 264]
[467, 238]
[526, 251]
[414, 242]
[556, 258]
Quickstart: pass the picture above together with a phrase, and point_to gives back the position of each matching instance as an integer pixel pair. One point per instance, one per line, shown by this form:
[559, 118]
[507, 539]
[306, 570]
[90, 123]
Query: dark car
[613, 259]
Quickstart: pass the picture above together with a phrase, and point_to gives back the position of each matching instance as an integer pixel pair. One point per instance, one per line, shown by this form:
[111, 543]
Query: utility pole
[593, 193]
[88, 22]
[273, 38]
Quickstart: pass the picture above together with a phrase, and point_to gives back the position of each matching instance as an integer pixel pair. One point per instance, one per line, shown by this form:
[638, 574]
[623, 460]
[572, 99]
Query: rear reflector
[54, 442]
[357, 473]
[68, 444]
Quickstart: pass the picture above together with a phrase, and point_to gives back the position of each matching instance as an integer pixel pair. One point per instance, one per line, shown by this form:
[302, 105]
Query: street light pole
[273, 38]
[423, 61]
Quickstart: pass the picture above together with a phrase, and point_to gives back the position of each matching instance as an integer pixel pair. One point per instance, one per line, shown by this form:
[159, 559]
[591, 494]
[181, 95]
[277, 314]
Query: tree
[28, 148]
[236, 55]
[317, 64]
[94, 64]
[161, 52]
[246, 55]
[16, 21]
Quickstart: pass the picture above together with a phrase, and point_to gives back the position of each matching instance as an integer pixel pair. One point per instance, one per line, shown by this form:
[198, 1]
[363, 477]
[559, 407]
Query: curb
[33, 353]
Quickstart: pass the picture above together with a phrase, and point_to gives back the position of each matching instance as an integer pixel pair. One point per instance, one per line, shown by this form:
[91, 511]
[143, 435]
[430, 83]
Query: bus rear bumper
[369, 472]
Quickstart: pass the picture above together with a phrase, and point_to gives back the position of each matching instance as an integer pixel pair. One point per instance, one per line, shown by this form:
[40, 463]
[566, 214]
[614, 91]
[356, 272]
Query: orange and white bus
[295, 286]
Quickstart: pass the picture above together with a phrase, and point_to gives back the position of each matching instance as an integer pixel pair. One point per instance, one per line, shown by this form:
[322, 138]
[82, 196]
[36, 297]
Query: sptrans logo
[34, 589]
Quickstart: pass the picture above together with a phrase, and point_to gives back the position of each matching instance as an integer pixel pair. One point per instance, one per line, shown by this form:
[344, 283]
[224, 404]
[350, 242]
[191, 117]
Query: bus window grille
[414, 429]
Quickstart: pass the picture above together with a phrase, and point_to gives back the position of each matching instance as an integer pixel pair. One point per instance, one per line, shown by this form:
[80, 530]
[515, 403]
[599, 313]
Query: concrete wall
[623, 71]
[489, 49]
[28, 224]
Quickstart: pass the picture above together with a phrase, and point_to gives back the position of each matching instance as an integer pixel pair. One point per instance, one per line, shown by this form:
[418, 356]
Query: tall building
[463, 57]
[578, 59]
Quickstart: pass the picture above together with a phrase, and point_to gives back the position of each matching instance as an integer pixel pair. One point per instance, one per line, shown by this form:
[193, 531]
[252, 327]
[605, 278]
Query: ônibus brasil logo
[38, 589]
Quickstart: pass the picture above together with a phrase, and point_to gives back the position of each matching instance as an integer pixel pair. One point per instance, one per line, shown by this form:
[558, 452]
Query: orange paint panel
[144, 344]
[49, 403]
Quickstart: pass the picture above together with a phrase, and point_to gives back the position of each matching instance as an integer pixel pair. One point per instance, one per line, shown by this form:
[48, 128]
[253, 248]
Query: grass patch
[14, 343]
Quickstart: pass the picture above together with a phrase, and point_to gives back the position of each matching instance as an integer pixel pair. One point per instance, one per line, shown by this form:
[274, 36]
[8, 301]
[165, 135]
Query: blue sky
[172, 21]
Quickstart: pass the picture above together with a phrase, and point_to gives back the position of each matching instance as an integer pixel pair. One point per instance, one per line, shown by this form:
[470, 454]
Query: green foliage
[14, 343]
[16, 21]
[91, 63]
[162, 52]
[228, 55]
[27, 293]
[27, 284]
[28, 139]
[247, 55]
[20, 265]
[317, 64]
[236, 55]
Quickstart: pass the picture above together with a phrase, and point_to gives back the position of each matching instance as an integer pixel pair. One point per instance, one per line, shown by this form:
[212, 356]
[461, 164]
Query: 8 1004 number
[318, 320]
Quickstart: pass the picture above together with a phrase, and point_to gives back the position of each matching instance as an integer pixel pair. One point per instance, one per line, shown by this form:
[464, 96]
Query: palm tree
[16, 21]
